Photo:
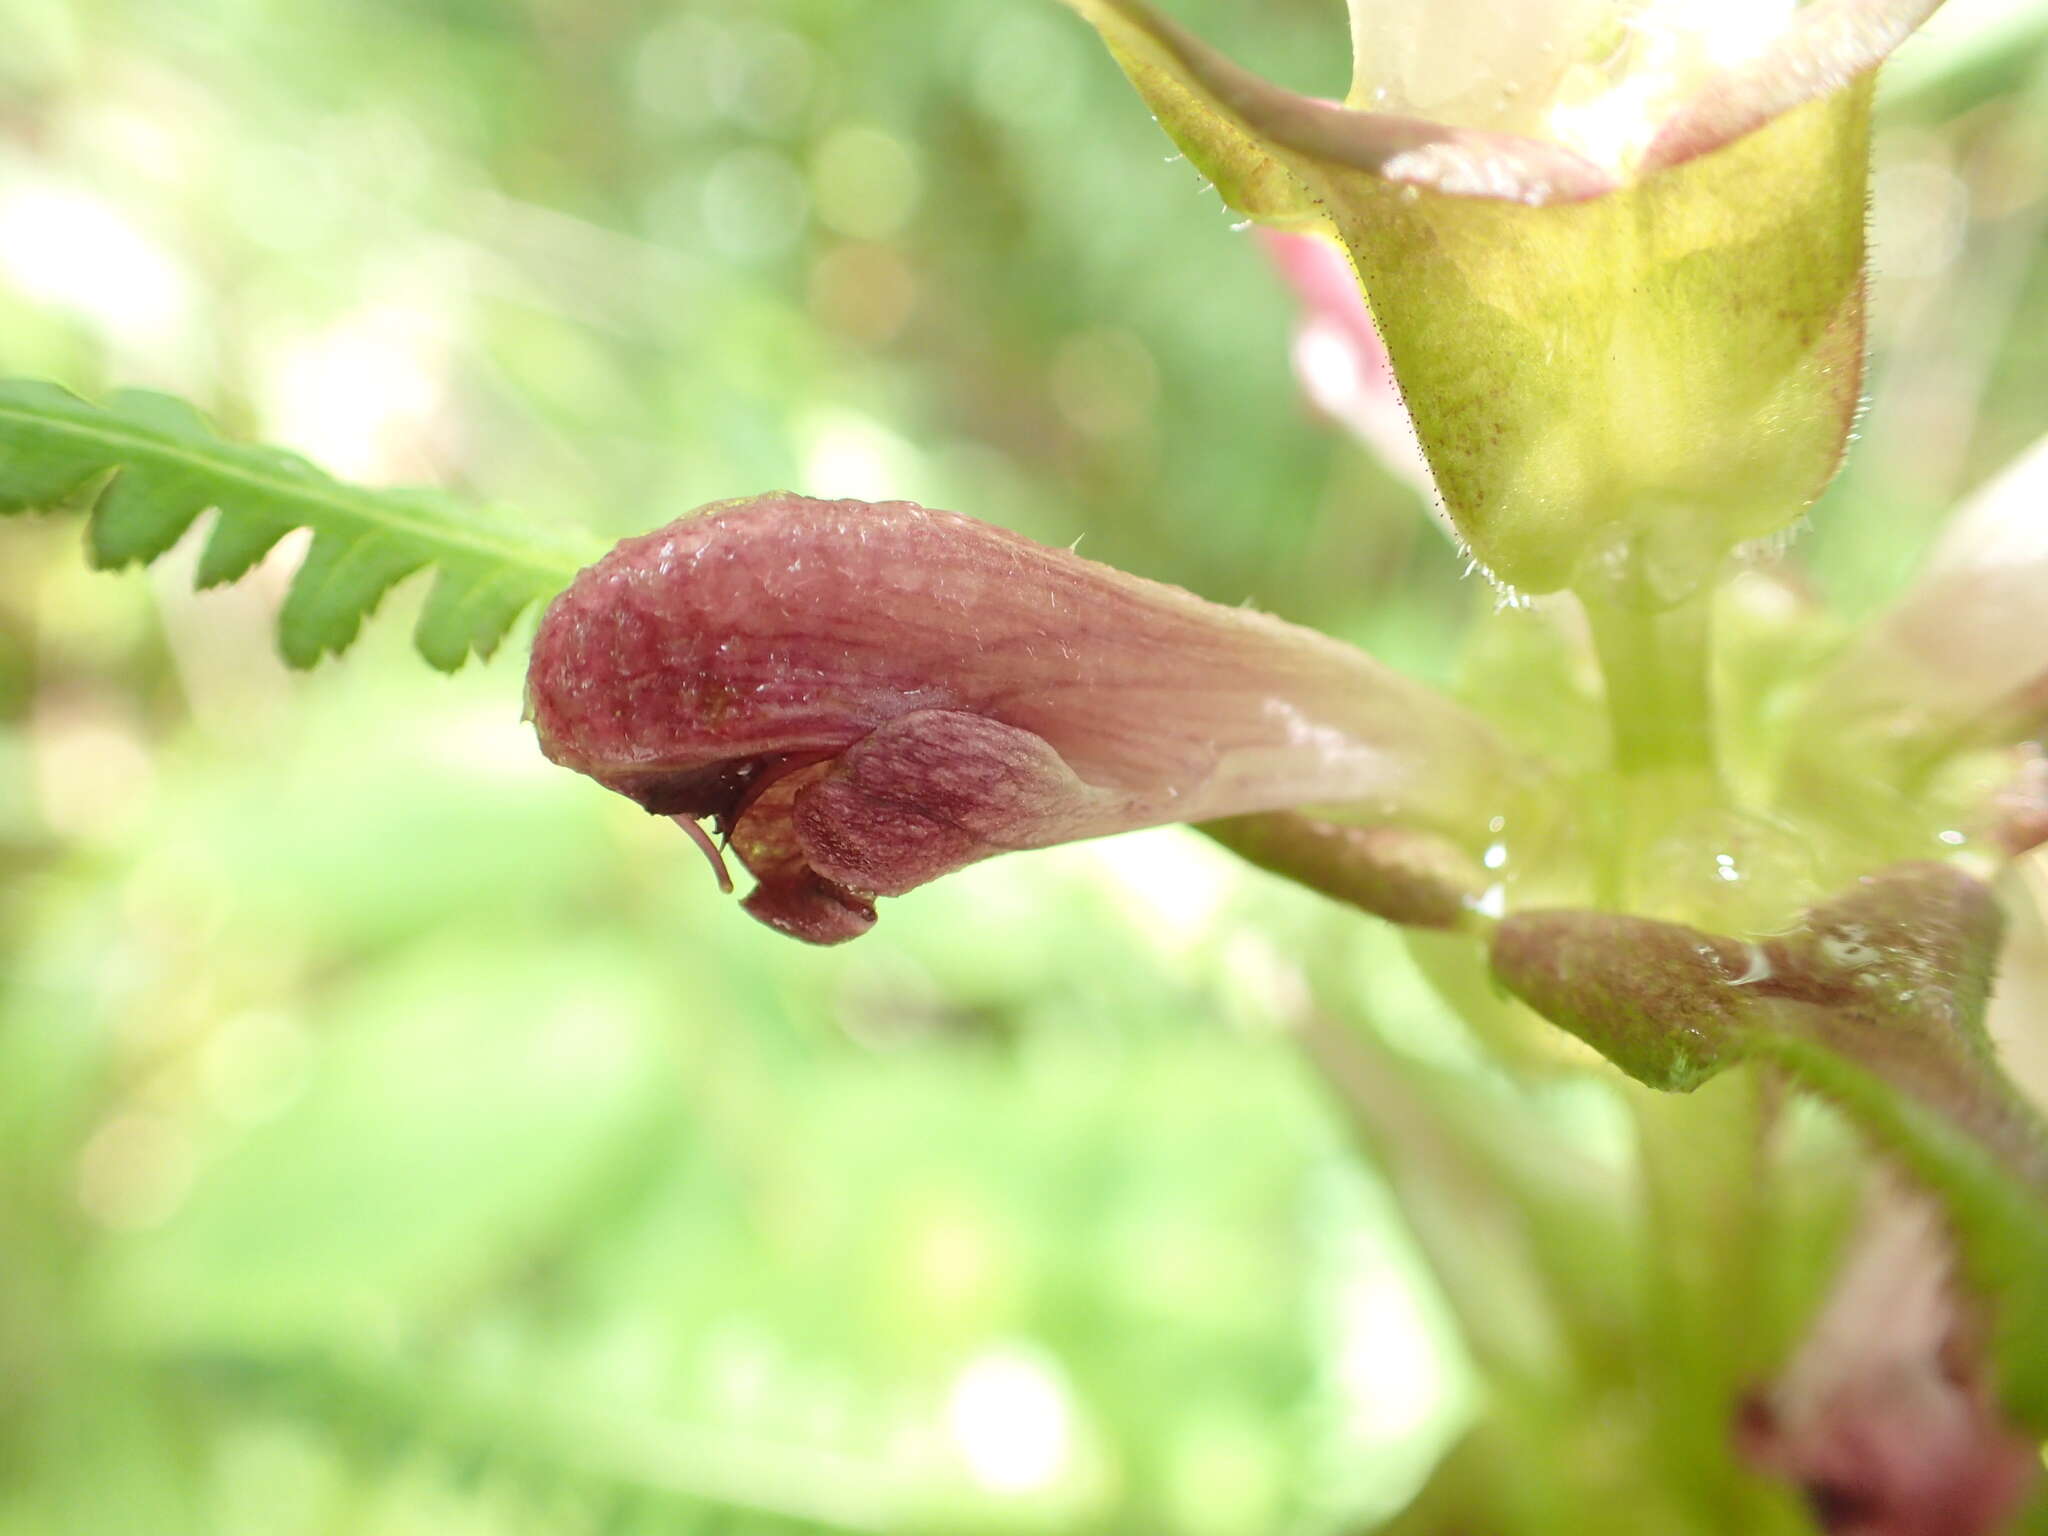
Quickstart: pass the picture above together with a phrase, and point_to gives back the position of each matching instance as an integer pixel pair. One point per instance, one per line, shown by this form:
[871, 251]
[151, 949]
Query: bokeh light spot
[1011, 1419]
[866, 182]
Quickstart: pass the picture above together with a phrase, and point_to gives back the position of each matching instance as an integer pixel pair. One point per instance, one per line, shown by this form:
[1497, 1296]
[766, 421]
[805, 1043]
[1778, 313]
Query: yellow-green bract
[1621, 285]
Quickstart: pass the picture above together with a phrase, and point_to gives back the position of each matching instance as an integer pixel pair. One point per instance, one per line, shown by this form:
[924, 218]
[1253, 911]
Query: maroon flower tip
[719, 668]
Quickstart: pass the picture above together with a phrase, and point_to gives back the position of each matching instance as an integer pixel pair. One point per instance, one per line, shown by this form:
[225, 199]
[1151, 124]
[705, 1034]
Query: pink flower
[1886, 1416]
[865, 697]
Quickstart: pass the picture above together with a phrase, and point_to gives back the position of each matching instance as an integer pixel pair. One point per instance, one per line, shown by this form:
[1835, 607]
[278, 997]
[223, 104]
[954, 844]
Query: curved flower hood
[865, 697]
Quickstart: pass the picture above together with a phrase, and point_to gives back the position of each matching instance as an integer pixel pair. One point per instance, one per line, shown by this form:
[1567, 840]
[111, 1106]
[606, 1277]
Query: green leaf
[678, 1475]
[152, 465]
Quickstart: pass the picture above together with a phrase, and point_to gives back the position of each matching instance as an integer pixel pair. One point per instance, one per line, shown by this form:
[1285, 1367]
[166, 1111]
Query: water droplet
[1759, 967]
[1729, 872]
[1845, 949]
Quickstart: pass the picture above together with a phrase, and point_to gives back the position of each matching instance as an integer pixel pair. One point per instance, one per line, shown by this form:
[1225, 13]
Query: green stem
[1655, 661]
[1705, 1170]
[1658, 700]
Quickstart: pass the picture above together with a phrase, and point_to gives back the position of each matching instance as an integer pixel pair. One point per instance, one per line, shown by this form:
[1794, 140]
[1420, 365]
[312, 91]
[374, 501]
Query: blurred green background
[398, 1134]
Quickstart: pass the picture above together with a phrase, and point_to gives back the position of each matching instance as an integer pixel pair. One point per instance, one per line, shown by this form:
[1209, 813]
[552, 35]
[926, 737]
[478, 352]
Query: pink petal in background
[1338, 358]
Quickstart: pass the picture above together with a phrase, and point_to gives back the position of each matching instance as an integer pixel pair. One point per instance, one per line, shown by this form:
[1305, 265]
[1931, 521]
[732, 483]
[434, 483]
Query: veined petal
[1826, 46]
[1599, 76]
[1637, 85]
[1473, 62]
[865, 697]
